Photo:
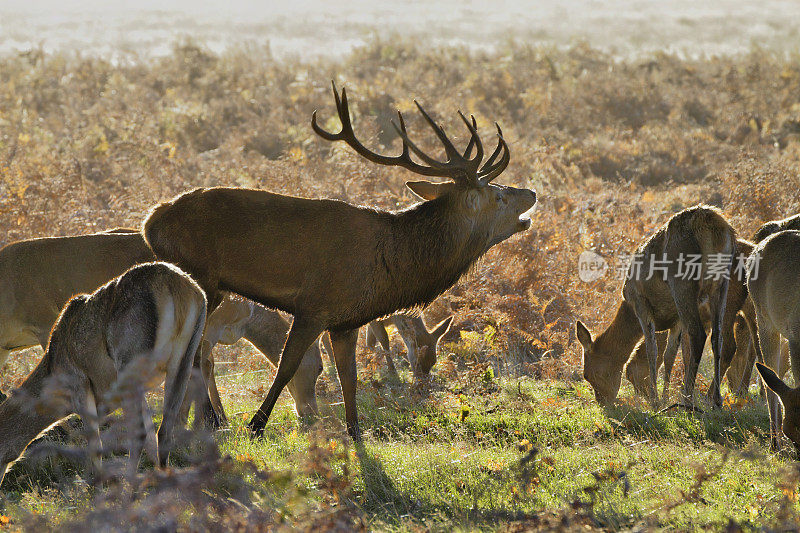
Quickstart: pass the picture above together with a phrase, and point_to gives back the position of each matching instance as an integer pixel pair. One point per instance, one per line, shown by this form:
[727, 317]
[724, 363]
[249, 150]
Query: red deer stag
[659, 295]
[131, 334]
[337, 266]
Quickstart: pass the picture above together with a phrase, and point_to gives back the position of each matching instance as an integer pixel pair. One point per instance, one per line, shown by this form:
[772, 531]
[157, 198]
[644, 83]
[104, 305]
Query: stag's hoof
[355, 432]
[256, 426]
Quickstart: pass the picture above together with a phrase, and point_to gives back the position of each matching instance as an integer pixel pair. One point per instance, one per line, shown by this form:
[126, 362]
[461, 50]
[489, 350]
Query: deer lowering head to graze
[773, 271]
[128, 336]
[660, 293]
[421, 344]
[337, 266]
[237, 318]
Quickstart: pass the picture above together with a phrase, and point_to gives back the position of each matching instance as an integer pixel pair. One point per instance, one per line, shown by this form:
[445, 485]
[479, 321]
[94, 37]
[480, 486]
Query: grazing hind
[658, 295]
[128, 336]
[773, 271]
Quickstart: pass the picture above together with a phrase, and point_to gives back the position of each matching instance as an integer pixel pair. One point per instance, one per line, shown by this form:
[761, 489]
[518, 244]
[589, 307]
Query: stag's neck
[23, 417]
[427, 249]
[621, 336]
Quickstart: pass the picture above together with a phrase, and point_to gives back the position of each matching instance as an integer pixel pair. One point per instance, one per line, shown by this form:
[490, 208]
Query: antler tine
[328, 136]
[471, 139]
[474, 139]
[489, 172]
[408, 143]
[458, 167]
[450, 150]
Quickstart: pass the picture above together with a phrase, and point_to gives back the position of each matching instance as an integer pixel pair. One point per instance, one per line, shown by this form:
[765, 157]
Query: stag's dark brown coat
[337, 266]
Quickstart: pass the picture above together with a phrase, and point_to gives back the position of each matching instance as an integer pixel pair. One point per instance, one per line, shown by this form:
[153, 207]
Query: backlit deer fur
[667, 301]
[337, 266]
[773, 271]
[131, 334]
[774, 226]
[236, 318]
[38, 276]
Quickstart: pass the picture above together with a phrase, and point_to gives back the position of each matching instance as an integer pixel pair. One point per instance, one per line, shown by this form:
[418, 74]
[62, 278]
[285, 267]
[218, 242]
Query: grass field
[499, 454]
[507, 436]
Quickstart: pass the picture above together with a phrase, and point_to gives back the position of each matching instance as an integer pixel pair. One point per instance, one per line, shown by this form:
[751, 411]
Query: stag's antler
[458, 167]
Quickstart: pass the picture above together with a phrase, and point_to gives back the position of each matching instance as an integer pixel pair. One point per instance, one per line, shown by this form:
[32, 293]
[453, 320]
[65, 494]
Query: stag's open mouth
[525, 218]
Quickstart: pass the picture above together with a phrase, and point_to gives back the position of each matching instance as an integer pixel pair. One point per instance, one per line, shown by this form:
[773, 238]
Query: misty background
[307, 29]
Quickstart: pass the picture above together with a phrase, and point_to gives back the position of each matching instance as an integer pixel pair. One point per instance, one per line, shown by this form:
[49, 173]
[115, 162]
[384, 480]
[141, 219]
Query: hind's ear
[442, 327]
[771, 379]
[584, 337]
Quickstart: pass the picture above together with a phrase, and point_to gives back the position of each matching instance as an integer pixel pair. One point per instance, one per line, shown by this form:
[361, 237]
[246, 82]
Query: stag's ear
[428, 190]
[773, 381]
[584, 337]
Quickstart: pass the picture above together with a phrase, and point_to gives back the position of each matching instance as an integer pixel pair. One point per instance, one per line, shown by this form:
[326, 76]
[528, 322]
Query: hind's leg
[670, 353]
[179, 373]
[769, 341]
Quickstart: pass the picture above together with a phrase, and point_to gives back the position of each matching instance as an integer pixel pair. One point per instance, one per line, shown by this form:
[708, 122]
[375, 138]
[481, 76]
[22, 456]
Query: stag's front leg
[302, 333]
[344, 351]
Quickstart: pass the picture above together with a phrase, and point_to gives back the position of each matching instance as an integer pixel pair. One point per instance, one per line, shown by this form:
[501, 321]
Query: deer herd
[215, 265]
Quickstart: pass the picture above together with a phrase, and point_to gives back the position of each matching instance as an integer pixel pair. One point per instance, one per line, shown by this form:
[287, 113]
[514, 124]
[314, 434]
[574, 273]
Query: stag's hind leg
[344, 350]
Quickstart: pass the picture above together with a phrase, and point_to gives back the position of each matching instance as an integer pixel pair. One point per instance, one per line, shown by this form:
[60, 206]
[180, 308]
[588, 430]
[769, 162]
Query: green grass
[500, 452]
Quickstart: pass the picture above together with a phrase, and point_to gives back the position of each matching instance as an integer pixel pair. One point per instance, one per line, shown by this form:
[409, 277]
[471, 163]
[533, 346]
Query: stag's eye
[502, 198]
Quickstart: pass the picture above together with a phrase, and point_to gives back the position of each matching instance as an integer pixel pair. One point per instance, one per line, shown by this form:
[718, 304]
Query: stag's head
[496, 211]
[790, 398]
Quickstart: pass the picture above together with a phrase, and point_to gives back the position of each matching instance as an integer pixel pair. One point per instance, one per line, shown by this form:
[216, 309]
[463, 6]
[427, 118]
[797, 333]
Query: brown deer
[236, 318]
[638, 368]
[657, 296]
[337, 266]
[38, 276]
[774, 226]
[421, 344]
[738, 372]
[741, 369]
[128, 336]
[772, 281]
